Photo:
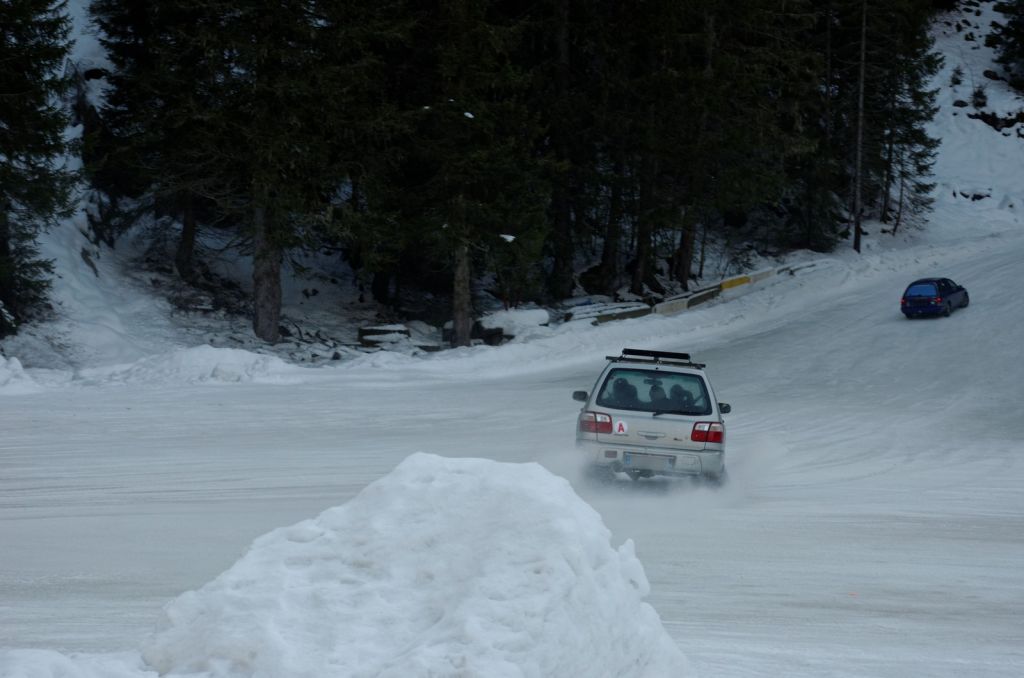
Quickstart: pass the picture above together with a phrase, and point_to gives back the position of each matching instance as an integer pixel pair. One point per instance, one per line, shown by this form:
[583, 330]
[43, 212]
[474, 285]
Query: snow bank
[13, 379]
[444, 567]
[521, 323]
[195, 365]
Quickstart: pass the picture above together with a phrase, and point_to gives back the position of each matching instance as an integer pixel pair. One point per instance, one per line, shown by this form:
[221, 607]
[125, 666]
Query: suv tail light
[708, 432]
[937, 300]
[595, 422]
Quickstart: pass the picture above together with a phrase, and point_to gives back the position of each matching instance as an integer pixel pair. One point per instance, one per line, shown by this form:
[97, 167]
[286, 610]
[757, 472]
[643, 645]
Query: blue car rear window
[922, 290]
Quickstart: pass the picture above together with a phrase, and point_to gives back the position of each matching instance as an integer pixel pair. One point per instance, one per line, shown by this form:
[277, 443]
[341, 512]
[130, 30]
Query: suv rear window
[654, 391]
[922, 290]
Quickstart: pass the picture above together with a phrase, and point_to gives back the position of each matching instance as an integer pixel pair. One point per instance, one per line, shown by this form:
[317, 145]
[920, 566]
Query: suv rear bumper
[653, 460]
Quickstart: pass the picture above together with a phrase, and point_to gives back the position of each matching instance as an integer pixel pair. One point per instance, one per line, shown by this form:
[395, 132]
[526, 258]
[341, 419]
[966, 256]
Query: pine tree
[908, 150]
[728, 79]
[561, 43]
[467, 174]
[34, 187]
[610, 61]
[381, 73]
[1011, 35]
[761, 83]
[152, 144]
[882, 56]
[811, 211]
[275, 132]
[259, 114]
[648, 117]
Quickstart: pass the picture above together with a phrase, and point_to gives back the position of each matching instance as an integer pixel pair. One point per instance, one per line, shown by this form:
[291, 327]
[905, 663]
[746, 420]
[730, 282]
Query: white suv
[653, 413]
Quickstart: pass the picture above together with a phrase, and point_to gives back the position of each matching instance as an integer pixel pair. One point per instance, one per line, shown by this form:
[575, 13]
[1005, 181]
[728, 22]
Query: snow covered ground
[214, 512]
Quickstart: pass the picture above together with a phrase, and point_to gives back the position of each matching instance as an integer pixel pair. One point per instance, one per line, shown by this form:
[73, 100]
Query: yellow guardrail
[687, 300]
[734, 282]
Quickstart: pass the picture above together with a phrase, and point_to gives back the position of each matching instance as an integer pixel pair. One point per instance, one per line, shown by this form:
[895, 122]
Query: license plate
[649, 462]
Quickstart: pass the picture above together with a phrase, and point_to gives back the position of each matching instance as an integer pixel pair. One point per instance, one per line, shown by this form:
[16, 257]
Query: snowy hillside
[172, 507]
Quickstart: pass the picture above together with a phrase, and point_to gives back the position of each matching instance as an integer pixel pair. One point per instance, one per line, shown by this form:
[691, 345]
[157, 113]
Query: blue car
[933, 296]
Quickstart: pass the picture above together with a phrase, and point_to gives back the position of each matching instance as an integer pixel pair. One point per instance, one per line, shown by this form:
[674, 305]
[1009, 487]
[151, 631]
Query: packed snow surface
[873, 525]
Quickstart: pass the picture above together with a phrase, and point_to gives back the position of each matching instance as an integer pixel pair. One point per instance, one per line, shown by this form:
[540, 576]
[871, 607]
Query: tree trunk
[643, 253]
[462, 316]
[682, 258]
[184, 257]
[703, 248]
[883, 213]
[857, 207]
[612, 234]
[829, 122]
[266, 279]
[380, 287]
[645, 223]
[560, 282]
[899, 206]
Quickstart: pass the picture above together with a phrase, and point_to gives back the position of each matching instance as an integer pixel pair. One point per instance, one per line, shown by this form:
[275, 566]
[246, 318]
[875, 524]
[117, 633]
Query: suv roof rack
[639, 355]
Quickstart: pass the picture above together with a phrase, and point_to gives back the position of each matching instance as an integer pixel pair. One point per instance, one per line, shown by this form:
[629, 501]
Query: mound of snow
[444, 567]
[13, 379]
[520, 323]
[194, 365]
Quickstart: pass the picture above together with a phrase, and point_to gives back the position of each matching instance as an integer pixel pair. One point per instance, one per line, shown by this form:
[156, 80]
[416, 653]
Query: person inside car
[680, 397]
[623, 393]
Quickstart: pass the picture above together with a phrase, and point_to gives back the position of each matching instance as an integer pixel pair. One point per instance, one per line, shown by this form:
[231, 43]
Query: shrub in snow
[979, 97]
[445, 567]
[957, 76]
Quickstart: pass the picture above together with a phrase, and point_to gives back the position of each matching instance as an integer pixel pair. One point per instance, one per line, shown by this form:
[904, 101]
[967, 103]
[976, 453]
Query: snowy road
[873, 525]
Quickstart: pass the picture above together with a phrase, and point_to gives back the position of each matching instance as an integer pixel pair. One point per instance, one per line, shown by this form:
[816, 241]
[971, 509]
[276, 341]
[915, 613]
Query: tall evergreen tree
[759, 78]
[468, 171]
[729, 79]
[34, 186]
[253, 110]
[882, 57]
[1011, 48]
[909, 151]
[811, 208]
[152, 144]
[610, 64]
[379, 70]
[559, 48]
[651, 71]
[274, 132]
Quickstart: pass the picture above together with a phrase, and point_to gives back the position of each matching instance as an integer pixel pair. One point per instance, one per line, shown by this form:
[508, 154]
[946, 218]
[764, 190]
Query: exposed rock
[997, 122]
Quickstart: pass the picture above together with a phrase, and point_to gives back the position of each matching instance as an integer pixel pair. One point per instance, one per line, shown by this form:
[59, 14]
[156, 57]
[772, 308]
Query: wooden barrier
[622, 315]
